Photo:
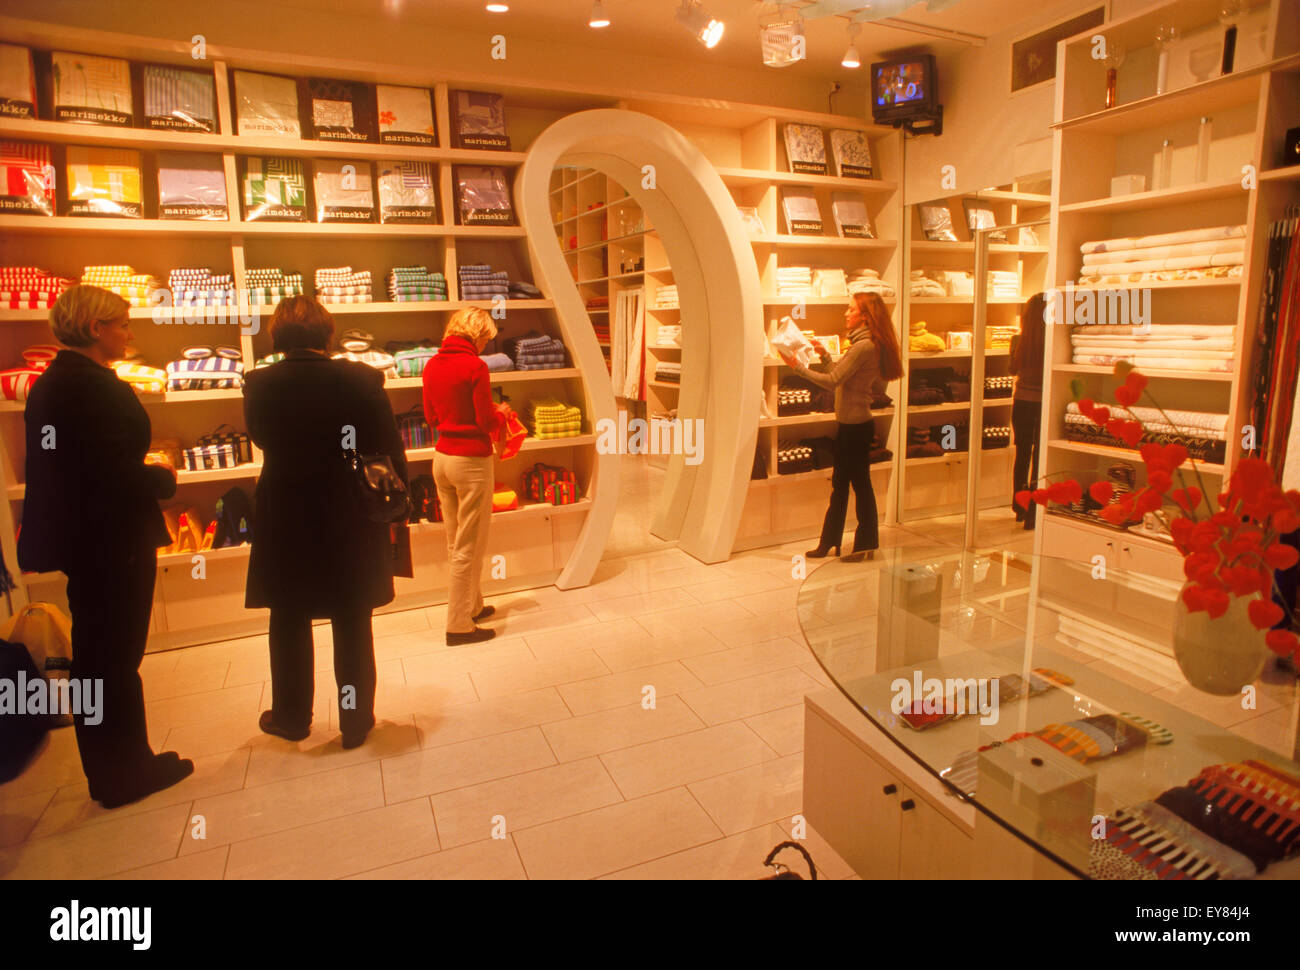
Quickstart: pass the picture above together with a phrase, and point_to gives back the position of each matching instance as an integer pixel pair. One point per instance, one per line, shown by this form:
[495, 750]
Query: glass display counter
[1045, 693]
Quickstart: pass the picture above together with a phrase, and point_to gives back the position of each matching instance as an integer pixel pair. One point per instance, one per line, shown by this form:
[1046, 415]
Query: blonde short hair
[80, 307]
[473, 323]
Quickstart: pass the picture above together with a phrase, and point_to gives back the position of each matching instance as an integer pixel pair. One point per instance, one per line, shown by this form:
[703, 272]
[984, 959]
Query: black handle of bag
[812, 869]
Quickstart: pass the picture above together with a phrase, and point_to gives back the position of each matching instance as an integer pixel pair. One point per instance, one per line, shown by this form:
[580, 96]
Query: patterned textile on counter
[104, 181]
[548, 417]
[405, 115]
[415, 283]
[266, 105]
[179, 100]
[191, 185]
[17, 82]
[136, 288]
[920, 340]
[406, 192]
[29, 178]
[344, 192]
[205, 373]
[91, 89]
[342, 285]
[275, 189]
[1148, 841]
[29, 288]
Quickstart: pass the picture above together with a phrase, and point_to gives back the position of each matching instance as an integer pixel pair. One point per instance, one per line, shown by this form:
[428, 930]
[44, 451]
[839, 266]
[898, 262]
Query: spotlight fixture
[707, 30]
[498, 8]
[598, 16]
[852, 59]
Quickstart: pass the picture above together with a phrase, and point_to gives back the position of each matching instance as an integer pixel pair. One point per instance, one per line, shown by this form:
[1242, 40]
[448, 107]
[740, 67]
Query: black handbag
[381, 493]
[782, 871]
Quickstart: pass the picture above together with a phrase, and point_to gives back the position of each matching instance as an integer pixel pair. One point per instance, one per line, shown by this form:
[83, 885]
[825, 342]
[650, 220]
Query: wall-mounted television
[904, 89]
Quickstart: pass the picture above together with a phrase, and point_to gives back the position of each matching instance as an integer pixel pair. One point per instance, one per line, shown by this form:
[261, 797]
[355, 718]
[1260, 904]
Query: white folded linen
[1163, 239]
[1166, 252]
[1159, 330]
[1132, 280]
[1222, 365]
[1174, 262]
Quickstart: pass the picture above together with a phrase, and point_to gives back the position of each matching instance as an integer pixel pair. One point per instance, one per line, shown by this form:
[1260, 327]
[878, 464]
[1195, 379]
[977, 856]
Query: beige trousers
[465, 491]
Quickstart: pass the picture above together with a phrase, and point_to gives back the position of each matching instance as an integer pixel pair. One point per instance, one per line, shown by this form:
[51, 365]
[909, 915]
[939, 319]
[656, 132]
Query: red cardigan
[458, 400]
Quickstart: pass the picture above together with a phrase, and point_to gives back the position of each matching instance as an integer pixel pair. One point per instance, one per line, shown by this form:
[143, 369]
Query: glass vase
[1219, 656]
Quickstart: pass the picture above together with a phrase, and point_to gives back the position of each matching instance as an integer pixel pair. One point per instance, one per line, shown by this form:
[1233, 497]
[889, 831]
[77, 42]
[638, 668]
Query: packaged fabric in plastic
[104, 182]
[179, 100]
[803, 215]
[95, 90]
[478, 120]
[405, 115]
[344, 192]
[28, 171]
[406, 192]
[851, 216]
[275, 190]
[191, 186]
[17, 82]
[483, 196]
[786, 336]
[266, 104]
[852, 154]
[341, 110]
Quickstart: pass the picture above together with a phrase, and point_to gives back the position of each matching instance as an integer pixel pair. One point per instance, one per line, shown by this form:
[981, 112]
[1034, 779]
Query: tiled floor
[649, 725]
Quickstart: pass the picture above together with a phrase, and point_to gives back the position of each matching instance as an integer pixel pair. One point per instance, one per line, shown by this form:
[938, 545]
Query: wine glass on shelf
[1203, 60]
[1114, 60]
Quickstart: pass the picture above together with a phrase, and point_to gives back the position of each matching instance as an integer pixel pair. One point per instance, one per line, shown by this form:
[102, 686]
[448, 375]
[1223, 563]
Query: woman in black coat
[90, 511]
[315, 555]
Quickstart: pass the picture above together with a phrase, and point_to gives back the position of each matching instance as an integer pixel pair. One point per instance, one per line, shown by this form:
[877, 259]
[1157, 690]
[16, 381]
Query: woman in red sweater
[458, 404]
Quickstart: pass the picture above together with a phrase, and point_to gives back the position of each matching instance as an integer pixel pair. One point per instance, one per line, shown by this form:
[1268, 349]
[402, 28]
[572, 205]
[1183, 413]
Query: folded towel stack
[142, 378]
[407, 284]
[206, 373]
[29, 288]
[958, 283]
[830, 283]
[922, 284]
[792, 460]
[999, 338]
[497, 362]
[921, 341]
[1191, 254]
[548, 417]
[341, 285]
[793, 400]
[666, 298]
[670, 335]
[999, 386]
[135, 288]
[1168, 346]
[523, 291]
[478, 282]
[359, 346]
[536, 352]
[412, 361]
[668, 371]
[597, 303]
[794, 282]
[869, 281]
[1004, 284]
[997, 437]
[199, 286]
[267, 287]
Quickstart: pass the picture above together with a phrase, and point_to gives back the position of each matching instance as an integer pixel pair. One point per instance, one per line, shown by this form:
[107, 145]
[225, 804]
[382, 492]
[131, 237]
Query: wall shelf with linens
[821, 226]
[1164, 209]
[941, 322]
[237, 246]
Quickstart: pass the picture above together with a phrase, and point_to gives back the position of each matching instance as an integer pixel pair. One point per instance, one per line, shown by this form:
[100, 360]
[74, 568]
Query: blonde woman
[458, 405]
[91, 512]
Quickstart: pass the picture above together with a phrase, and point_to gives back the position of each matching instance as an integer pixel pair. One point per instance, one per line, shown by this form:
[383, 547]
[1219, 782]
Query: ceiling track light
[852, 59]
[498, 8]
[707, 30]
[598, 16]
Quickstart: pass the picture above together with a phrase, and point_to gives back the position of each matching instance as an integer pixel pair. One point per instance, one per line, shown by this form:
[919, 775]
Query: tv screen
[903, 88]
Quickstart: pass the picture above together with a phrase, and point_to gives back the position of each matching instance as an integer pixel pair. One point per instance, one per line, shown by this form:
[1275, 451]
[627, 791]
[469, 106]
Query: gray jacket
[854, 379]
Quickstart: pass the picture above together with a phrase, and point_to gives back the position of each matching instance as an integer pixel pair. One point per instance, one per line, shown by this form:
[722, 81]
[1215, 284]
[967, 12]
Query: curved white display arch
[722, 339]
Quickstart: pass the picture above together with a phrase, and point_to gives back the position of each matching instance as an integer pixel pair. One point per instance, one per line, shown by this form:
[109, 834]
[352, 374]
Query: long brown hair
[1028, 356]
[871, 311]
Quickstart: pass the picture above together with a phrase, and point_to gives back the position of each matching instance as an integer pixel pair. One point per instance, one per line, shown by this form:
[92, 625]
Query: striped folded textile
[136, 288]
[142, 378]
[28, 173]
[411, 363]
[16, 383]
[203, 457]
[497, 362]
[187, 99]
[268, 360]
[199, 286]
[204, 373]
[377, 359]
[30, 288]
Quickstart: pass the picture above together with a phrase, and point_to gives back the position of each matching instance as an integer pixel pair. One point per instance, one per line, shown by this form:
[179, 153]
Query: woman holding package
[315, 553]
[871, 361]
[91, 512]
[1027, 405]
[458, 405]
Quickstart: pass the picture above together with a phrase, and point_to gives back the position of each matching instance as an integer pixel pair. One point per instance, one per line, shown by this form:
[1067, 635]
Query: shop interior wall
[409, 42]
